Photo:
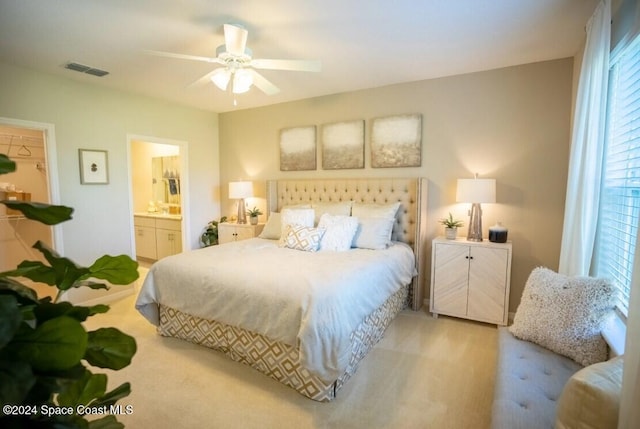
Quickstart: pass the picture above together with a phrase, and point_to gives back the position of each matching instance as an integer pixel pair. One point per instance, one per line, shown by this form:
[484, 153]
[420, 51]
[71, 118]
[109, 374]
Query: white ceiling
[361, 43]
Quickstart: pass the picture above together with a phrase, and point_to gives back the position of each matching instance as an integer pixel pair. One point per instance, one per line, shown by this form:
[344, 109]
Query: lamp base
[475, 223]
[242, 215]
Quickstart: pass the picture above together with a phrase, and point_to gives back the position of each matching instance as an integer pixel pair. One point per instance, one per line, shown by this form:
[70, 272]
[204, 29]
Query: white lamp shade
[476, 191]
[239, 190]
[220, 77]
[242, 81]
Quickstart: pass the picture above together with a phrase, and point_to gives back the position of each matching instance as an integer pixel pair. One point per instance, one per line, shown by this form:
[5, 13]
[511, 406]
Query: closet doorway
[32, 147]
[158, 197]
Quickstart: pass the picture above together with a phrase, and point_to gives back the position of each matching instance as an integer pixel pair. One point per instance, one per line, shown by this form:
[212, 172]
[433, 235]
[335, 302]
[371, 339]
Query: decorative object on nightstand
[476, 191]
[240, 191]
[471, 280]
[498, 233]
[253, 215]
[451, 226]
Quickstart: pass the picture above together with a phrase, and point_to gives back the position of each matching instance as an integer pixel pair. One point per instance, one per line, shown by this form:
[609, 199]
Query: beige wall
[89, 116]
[511, 124]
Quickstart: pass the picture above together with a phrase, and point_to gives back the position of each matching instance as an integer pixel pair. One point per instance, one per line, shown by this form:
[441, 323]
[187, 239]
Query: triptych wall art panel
[396, 141]
[343, 145]
[298, 149]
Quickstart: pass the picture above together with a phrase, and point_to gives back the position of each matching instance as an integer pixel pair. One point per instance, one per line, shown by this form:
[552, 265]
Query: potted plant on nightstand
[451, 226]
[253, 215]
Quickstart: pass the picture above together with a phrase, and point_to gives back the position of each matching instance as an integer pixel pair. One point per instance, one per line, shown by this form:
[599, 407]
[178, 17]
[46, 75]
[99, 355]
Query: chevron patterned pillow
[301, 237]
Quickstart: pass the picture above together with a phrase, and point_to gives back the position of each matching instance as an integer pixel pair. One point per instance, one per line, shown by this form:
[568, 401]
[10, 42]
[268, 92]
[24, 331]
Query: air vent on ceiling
[86, 69]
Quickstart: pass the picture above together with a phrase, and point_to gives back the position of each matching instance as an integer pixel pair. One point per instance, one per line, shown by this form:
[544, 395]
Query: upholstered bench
[540, 379]
[529, 381]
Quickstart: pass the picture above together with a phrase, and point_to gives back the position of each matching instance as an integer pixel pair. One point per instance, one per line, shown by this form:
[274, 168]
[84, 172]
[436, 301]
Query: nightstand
[471, 279]
[228, 232]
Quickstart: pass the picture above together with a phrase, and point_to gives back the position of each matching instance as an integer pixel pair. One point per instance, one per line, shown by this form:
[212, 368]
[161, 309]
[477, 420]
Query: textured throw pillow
[565, 314]
[273, 229]
[342, 208]
[373, 233]
[302, 217]
[339, 232]
[300, 237]
[591, 398]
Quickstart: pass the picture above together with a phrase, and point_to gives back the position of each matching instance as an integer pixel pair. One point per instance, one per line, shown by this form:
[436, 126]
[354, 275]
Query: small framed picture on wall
[93, 167]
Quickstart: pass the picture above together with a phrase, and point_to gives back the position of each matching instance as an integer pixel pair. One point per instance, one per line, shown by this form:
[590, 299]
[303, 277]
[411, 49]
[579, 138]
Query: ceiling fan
[239, 65]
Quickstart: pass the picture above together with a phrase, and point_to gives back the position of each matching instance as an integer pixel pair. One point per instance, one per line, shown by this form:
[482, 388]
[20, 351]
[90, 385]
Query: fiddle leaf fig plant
[46, 353]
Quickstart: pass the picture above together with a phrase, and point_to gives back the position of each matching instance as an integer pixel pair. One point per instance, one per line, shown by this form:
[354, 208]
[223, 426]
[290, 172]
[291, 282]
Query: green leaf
[119, 270]
[6, 165]
[49, 310]
[57, 344]
[33, 270]
[66, 271]
[114, 396]
[83, 390]
[16, 379]
[110, 348]
[91, 284]
[44, 213]
[10, 318]
[23, 294]
[107, 422]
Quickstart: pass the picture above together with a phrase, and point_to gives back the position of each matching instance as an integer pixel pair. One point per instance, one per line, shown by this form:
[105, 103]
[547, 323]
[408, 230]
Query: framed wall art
[94, 169]
[396, 141]
[343, 145]
[298, 149]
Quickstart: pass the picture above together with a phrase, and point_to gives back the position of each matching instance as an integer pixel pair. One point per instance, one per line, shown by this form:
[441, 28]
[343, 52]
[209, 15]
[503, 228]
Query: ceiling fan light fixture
[220, 77]
[242, 81]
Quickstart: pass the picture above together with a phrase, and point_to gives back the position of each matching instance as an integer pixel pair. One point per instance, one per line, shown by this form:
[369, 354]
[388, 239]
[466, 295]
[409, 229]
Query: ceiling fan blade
[293, 65]
[183, 56]
[263, 84]
[206, 79]
[235, 39]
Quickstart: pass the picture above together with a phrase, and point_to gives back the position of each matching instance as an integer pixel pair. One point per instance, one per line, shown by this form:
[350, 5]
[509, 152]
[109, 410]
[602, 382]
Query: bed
[303, 318]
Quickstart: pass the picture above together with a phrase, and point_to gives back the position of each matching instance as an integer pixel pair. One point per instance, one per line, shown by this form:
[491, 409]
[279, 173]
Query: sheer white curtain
[587, 143]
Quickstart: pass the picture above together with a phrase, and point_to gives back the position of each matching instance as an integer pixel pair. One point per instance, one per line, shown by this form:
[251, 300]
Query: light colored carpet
[425, 373]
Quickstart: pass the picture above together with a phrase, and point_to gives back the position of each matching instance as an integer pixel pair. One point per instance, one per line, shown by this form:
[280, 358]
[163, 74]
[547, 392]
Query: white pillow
[373, 233]
[375, 210]
[301, 237]
[302, 217]
[591, 397]
[565, 314]
[273, 229]
[341, 208]
[339, 232]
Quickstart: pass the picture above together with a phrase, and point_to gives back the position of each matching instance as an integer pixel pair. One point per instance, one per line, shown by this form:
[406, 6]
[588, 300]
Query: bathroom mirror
[166, 179]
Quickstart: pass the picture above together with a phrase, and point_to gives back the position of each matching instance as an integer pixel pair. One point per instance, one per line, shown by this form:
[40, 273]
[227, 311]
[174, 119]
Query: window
[620, 198]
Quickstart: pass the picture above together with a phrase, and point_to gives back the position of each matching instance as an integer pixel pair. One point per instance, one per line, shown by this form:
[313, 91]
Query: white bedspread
[310, 300]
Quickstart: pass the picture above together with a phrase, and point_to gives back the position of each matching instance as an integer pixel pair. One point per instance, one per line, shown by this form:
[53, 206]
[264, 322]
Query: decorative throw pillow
[591, 397]
[565, 314]
[339, 232]
[273, 229]
[300, 237]
[387, 211]
[373, 233]
[302, 217]
[342, 208]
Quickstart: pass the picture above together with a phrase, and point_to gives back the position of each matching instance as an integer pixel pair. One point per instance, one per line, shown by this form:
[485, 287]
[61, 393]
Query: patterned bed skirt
[276, 359]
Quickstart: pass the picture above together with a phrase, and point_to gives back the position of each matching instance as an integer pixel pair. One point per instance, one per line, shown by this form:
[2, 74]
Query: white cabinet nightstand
[471, 279]
[237, 231]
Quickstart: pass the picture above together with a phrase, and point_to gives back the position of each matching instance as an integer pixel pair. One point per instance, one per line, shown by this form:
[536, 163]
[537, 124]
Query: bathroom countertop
[159, 215]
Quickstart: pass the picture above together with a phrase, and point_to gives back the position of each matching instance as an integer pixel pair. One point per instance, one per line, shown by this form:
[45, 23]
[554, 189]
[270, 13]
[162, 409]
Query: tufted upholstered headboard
[410, 192]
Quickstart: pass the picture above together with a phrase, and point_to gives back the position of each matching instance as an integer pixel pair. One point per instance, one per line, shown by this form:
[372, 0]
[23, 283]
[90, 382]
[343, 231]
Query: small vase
[451, 233]
[498, 233]
[253, 220]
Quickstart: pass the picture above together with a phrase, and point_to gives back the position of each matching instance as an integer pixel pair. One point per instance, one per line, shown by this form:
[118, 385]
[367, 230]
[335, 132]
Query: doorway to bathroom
[32, 147]
[158, 196]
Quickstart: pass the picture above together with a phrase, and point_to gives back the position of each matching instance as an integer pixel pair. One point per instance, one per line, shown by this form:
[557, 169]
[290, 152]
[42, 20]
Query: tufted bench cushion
[529, 381]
